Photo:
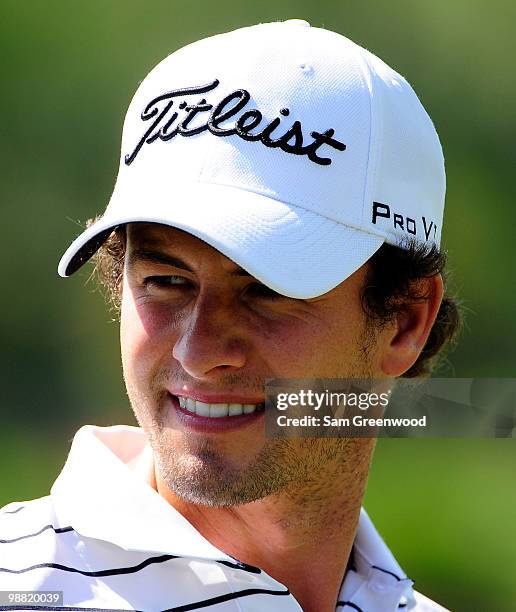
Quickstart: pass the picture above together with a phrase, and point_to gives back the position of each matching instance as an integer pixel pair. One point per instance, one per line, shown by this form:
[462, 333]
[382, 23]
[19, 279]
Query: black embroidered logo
[291, 141]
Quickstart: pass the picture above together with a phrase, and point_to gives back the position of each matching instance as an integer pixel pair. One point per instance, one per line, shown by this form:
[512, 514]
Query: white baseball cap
[288, 148]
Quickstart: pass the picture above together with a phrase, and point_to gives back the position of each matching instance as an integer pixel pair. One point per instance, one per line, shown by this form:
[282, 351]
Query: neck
[298, 532]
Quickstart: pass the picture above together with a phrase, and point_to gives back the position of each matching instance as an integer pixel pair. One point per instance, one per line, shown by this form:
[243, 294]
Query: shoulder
[29, 533]
[424, 604]
[19, 519]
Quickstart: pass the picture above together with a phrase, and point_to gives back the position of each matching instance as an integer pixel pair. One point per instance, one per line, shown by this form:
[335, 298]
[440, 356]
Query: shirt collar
[101, 497]
[376, 582]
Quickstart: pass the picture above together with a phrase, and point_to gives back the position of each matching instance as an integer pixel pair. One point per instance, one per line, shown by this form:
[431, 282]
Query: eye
[258, 290]
[167, 281]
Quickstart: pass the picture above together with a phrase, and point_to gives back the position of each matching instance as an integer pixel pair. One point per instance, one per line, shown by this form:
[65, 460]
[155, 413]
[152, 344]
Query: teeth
[216, 410]
[190, 404]
[202, 409]
[235, 409]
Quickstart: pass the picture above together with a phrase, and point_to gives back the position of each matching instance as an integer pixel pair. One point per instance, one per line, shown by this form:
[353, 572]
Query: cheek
[148, 334]
[302, 349]
[133, 341]
[147, 323]
[140, 343]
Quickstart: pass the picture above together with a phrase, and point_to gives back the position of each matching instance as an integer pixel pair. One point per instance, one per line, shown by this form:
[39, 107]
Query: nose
[210, 341]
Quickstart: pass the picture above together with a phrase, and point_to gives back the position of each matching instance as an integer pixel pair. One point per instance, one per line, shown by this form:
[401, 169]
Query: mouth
[215, 417]
[217, 411]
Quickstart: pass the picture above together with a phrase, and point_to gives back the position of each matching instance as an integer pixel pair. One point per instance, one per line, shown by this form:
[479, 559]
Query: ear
[412, 328]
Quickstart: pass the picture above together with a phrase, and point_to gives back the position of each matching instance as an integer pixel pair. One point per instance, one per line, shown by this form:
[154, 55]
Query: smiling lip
[206, 424]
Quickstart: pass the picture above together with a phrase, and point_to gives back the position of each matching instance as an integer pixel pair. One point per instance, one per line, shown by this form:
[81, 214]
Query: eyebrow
[158, 257]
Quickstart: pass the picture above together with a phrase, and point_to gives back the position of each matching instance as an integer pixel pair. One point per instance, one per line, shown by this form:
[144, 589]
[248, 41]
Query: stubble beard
[200, 473]
[205, 477]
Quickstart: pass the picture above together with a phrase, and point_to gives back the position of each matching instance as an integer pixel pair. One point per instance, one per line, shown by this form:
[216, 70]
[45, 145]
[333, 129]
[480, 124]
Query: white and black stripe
[12, 511]
[21, 538]
[110, 543]
[195, 605]
[37, 533]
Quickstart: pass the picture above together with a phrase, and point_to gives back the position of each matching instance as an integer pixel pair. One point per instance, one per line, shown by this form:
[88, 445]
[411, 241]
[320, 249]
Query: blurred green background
[69, 70]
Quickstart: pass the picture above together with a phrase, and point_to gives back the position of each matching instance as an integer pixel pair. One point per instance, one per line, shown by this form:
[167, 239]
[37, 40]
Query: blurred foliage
[68, 72]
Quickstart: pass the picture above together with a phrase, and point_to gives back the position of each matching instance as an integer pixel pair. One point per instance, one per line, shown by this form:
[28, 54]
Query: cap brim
[292, 250]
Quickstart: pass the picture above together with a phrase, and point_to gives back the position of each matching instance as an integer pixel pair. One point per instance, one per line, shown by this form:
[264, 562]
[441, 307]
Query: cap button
[298, 22]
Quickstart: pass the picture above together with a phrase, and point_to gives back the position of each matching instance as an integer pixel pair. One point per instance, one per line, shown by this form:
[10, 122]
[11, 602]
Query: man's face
[195, 326]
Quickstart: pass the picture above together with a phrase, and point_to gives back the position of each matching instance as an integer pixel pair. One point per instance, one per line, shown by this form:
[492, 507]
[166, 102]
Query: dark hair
[391, 285]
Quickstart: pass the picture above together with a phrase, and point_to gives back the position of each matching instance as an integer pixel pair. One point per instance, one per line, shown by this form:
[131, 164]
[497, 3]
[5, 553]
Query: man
[277, 214]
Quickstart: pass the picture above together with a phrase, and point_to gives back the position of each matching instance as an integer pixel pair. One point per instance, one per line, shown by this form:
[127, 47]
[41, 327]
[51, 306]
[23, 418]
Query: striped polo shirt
[109, 541]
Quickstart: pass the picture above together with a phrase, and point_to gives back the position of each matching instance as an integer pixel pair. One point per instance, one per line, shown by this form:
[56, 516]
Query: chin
[205, 476]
